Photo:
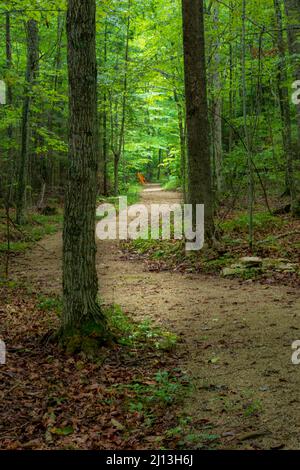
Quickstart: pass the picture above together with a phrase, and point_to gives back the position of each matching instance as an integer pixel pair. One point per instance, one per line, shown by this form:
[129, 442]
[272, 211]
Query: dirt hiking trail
[235, 337]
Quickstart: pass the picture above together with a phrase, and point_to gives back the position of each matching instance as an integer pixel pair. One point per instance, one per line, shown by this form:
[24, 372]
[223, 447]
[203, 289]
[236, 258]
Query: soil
[235, 337]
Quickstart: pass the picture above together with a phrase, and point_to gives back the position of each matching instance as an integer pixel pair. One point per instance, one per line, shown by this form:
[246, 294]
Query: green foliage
[254, 408]
[65, 431]
[261, 220]
[130, 333]
[188, 436]
[36, 228]
[163, 390]
[154, 95]
[15, 247]
[173, 184]
[132, 191]
[48, 304]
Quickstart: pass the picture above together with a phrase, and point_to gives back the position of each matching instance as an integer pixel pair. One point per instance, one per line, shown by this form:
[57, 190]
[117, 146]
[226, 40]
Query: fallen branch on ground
[279, 237]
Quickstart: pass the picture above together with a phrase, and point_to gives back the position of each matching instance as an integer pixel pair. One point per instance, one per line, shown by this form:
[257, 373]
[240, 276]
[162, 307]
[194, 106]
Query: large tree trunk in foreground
[31, 71]
[199, 164]
[80, 284]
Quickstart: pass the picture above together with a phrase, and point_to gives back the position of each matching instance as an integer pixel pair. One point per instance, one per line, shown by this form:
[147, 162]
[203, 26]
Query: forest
[179, 335]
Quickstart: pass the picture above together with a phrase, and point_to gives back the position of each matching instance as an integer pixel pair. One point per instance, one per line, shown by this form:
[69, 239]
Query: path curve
[235, 337]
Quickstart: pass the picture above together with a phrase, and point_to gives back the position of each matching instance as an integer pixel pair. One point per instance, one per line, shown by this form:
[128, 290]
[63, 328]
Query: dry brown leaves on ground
[52, 401]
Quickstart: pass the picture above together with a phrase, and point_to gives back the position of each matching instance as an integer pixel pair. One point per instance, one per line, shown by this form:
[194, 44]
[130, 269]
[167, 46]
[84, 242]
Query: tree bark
[9, 101]
[284, 99]
[217, 110]
[159, 163]
[182, 143]
[104, 124]
[292, 9]
[231, 99]
[246, 131]
[199, 164]
[31, 71]
[120, 144]
[80, 283]
[50, 164]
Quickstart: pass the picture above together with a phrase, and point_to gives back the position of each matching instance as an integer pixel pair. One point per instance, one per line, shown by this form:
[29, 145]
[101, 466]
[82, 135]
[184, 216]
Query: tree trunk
[246, 131]
[284, 98]
[217, 109]
[50, 164]
[231, 82]
[104, 124]
[80, 283]
[199, 164]
[118, 152]
[9, 96]
[292, 8]
[105, 148]
[159, 163]
[9, 101]
[31, 70]
[182, 143]
[231, 100]
[116, 173]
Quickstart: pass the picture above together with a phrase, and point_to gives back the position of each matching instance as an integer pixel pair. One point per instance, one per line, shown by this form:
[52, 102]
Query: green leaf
[66, 431]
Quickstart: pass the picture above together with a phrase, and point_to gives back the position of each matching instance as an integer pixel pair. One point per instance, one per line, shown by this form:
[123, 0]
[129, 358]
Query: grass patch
[261, 221]
[23, 237]
[150, 396]
[133, 334]
[132, 192]
[15, 247]
[50, 304]
[190, 438]
[172, 185]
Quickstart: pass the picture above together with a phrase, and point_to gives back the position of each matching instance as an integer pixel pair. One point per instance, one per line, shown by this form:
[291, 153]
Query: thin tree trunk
[217, 110]
[292, 9]
[230, 138]
[199, 163]
[49, 164]
[31, 69]
[159, 163]
[9, 101]
[9, 96]
[10, 164]
[105, 148]
[120, 145]
[246, 130]
[104, 123]
[182, 143]
[80, 283]
[284, 99]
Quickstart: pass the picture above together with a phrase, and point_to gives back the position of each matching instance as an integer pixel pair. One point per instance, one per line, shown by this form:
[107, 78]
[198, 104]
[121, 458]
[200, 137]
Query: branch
[279, 237]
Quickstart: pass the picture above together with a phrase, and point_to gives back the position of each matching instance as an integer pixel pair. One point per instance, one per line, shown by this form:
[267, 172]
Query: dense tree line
[197, 93]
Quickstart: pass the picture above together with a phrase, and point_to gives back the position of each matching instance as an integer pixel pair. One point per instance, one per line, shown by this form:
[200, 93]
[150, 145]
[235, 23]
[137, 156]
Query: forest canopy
[141, 95]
